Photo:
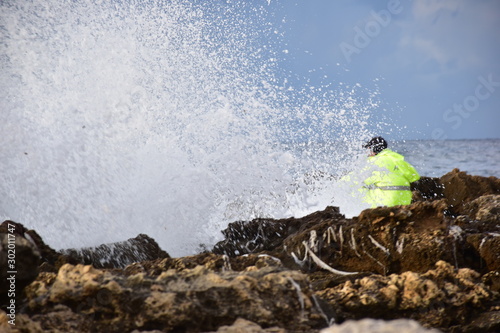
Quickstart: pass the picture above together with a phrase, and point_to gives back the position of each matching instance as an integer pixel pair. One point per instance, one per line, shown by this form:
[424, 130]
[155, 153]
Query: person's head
[376, 145]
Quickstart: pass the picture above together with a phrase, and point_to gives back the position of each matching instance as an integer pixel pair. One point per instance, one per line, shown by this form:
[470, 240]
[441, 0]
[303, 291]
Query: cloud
[455, 34]
[424, 9]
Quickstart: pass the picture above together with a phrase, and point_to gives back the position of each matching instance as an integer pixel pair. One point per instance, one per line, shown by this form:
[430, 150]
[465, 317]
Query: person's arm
[373, 179]
[409, 172]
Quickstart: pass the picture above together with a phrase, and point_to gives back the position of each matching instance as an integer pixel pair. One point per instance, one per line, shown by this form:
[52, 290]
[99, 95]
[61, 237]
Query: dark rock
[19, 261]
[214, 262]
[119, 254]
[442, 297]
[460, 188]
[267, 234]
[492, 280]
[484, 210]
[435, 261]
[427, 189]
[484, 322]
[197, 299]
[485, 247]
[50, 259]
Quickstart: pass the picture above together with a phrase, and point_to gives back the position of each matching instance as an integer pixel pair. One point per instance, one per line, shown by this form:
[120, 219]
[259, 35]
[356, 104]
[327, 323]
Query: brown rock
[382, 240]
[267, 296]
[19, 260]
[267, 234]
[50, 259]
[441, 298]
[435, 261]
[485, 209]
[214, 262]
[460, 188]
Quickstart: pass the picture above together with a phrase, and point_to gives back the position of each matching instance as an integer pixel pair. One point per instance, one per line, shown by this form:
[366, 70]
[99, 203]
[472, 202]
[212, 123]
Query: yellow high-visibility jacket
[389, 183]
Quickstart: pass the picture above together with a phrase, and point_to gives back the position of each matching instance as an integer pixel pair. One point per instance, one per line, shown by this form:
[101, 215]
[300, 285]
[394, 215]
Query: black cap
[376, 144]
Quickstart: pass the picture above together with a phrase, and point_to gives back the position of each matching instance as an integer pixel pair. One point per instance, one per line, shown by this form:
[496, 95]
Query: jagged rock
[485, 209]
[267, 296]
[427, 189]
[118, 254]
[457, 187]
[460, 188]
[435, 261]
[50, 259]
[19, 260]
[486, 248]
[260, 235]
[379, 326]
[383, 240]
[442, 297]
[211, 261]
[492, 280]
[488, 321]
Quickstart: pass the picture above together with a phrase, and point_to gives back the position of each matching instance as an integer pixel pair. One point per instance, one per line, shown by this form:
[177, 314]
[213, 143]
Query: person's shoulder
[391, 153]
[387, 151]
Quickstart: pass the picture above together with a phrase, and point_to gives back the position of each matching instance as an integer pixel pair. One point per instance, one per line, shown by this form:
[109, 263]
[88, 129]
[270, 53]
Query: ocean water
[173, 118]
[431, 158]
[434, 158]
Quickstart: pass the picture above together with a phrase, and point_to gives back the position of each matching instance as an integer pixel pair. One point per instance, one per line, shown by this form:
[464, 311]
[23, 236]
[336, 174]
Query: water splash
[169, 118]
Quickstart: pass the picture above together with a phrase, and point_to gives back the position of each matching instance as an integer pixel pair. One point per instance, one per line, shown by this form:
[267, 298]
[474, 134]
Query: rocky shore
[432, 266]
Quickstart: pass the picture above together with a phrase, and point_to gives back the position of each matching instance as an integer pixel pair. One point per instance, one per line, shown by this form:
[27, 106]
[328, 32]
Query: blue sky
[436, 63]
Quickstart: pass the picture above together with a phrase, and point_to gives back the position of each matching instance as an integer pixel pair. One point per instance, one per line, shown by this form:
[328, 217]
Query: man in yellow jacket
[389, 182]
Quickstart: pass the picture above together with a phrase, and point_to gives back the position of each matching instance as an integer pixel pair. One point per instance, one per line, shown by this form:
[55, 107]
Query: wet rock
[19, 260]
[211, 261]
[427, 189]
[485, 247]
[119, 254]
[267, 234]
[383, 240]
[484, 322]
[267, 296]
[442, 297]
[460, 188]
[492, 280]
[49, 259]
[484, 210]
[435, 261]
[389, 240]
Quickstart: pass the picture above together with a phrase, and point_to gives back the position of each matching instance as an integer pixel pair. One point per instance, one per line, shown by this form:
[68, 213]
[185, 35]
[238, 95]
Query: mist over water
[170, 118]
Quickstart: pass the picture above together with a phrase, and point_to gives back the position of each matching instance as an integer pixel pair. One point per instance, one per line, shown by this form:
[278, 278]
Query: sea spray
[170, 118]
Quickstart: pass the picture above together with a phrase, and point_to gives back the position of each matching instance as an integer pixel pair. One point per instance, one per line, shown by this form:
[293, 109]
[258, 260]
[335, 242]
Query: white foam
[157, 118]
